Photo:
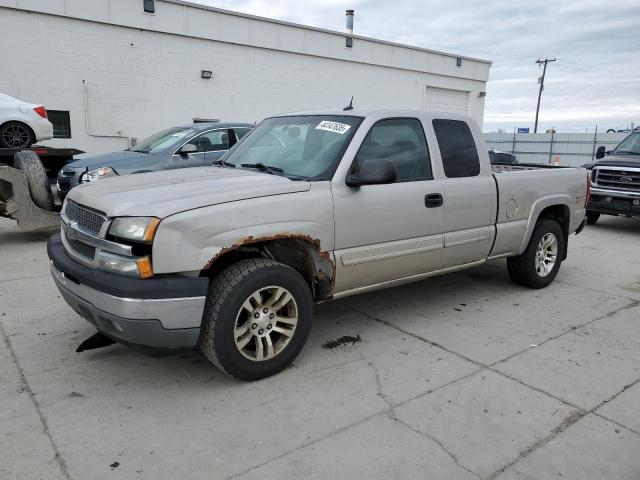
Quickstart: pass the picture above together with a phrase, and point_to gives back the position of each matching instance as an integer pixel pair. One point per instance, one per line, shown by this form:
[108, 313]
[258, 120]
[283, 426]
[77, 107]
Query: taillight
[588, 196]
[41, 111]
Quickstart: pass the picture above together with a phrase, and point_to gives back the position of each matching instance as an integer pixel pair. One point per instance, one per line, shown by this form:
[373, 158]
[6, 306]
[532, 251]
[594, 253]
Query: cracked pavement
[464, 376]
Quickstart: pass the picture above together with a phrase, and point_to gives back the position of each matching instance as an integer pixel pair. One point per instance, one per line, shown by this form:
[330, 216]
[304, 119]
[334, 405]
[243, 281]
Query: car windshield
[630, 145]
[163, 140]
[299, 147]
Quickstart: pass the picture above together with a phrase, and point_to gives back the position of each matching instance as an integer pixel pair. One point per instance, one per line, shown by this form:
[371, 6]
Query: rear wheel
[257, 318]
[592, 218]
[39, 187]
[16, 135]
[538, 265]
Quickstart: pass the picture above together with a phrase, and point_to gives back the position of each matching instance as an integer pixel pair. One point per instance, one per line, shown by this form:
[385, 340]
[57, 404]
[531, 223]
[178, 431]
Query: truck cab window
[457, 148]
[402, 142]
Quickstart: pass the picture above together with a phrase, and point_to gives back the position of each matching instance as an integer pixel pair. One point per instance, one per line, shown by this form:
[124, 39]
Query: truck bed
[520, 167]
[525, 190]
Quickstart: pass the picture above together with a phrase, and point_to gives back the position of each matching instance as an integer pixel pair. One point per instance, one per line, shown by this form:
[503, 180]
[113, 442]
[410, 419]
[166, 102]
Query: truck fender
[564, 200]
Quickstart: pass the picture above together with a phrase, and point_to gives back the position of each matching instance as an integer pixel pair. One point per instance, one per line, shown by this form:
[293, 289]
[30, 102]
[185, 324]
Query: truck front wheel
[538, 265]
[257, 318]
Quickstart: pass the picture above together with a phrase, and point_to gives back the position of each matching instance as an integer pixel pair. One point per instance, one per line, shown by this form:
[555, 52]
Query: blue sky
[596, 80]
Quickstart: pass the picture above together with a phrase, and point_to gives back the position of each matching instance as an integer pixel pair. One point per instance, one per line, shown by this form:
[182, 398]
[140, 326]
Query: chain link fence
[572, 149]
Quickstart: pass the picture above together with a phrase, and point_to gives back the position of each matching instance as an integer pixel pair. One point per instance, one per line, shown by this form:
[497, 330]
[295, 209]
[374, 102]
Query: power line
[544, 71]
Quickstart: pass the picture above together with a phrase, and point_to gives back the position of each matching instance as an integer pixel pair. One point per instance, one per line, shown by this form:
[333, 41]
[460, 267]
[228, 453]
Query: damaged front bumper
[155, 315]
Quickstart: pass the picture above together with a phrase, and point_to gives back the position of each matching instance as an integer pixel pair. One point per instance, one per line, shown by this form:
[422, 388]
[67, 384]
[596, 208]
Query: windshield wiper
[223, 163]
[627, 151]
[264, 168]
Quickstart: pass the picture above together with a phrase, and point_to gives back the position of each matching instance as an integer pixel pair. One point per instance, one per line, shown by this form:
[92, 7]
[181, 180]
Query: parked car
[615, 180]
[194, 145]
[22, 124]
[496, 156]
[232, 258]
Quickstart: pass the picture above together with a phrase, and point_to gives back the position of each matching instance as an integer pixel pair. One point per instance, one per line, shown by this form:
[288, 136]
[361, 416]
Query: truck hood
[113, 159]
[164, 193]
[631, 161]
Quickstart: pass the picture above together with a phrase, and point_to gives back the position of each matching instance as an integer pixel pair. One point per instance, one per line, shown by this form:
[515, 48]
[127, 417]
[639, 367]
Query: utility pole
[541, 80]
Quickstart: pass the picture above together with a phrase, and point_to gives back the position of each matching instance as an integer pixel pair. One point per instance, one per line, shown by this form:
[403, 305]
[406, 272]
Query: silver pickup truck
[306, 208]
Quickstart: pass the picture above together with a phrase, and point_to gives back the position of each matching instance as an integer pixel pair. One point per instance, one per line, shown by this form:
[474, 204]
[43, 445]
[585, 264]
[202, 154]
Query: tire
[16, 135]
[225, 315]
[523, 269]
[39, 187]
[592, 218]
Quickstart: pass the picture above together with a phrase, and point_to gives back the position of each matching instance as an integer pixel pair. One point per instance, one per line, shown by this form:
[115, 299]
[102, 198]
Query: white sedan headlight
[138, 229]
[96, 174]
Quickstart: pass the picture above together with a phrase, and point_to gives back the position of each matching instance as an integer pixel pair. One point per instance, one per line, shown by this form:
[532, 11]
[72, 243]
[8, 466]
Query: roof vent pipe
[349, 28]
[350, 22]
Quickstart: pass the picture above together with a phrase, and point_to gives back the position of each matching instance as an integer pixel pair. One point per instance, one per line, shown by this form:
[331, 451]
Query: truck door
[388, 232]
[469, 193]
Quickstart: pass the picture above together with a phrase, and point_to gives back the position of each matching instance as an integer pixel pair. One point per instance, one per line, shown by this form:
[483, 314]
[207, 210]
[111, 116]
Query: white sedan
[22, 124]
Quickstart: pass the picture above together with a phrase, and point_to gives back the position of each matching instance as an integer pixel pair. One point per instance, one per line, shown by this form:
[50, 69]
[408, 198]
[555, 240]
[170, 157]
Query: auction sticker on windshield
[334, 127]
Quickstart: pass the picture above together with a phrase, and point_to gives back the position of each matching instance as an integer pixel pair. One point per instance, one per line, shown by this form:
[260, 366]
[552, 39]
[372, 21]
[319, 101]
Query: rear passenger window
[457, 148]
[402, 142]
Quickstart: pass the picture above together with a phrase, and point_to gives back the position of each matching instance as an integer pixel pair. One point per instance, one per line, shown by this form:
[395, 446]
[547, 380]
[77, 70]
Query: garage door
[446, 100]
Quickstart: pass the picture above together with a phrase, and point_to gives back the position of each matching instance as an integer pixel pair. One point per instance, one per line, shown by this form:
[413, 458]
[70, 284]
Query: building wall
[572, 149]
[140, 80]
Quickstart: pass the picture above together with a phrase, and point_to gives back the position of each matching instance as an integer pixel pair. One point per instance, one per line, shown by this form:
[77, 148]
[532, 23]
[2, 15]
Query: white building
[117, 73]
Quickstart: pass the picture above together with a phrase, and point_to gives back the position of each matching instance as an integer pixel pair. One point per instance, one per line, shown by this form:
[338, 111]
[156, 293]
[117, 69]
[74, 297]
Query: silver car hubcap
[265, 323]
[546, 254]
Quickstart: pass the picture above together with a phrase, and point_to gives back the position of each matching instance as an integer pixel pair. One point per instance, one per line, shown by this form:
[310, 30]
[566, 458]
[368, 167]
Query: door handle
[433, 200]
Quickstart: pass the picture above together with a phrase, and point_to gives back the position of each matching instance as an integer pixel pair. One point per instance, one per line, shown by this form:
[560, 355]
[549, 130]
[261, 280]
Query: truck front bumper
[614, 202]
[154, 315]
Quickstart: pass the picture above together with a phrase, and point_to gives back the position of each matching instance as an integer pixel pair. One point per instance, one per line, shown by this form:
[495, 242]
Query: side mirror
[374, 171]
[600, 153]
[188, 148]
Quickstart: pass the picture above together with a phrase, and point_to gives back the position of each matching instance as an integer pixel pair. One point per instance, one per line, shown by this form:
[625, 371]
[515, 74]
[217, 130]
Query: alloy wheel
[546, 254]
[265, 323]
[16, 136]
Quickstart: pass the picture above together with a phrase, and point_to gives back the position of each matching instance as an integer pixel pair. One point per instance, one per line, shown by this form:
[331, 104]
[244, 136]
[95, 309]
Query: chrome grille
[87, 219]
[620, 179]
[82, 249]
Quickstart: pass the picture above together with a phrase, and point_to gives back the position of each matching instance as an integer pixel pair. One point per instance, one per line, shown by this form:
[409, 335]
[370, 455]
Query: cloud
[595, 80]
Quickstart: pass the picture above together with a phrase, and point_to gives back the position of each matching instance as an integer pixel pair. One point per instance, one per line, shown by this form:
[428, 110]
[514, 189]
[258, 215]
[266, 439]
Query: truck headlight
[138, 229]
[139, 267]
[96, 174]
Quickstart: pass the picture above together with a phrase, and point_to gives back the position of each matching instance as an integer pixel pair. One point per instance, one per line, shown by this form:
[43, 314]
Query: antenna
[350, 106]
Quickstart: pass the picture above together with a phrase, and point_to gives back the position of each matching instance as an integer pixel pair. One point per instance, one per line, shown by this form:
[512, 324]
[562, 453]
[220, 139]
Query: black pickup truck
[615, 180]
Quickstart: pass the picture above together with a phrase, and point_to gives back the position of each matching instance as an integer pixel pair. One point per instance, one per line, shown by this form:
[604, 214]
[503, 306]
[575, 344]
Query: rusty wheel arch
[301, 252]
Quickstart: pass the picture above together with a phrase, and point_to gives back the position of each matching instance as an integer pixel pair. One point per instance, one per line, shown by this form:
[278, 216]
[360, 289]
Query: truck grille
[89, 220]
[618, 179]
[82, 249]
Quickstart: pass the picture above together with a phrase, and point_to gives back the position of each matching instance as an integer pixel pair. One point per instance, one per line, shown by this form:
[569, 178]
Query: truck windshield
[299, 147]
[162, 140]
[629, 146]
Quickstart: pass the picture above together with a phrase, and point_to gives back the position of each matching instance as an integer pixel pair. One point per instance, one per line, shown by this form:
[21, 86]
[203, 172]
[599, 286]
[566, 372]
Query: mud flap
[97, 340]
